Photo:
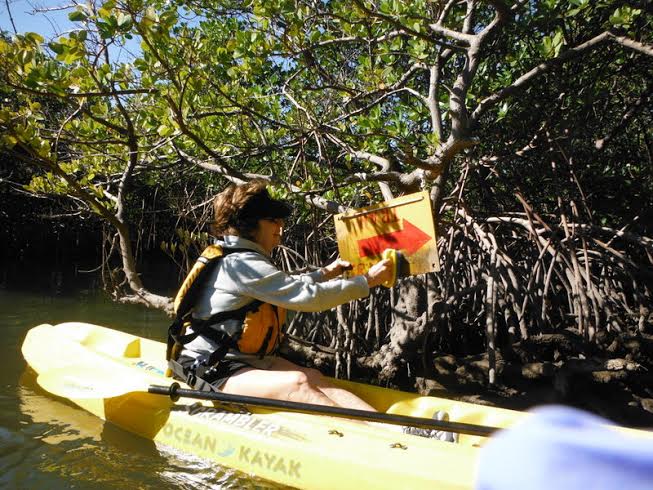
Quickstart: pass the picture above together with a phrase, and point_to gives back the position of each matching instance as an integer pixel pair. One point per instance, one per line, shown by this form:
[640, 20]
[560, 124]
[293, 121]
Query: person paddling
[238, 318]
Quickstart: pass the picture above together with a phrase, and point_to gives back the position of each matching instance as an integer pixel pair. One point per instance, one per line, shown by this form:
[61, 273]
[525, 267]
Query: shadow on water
[47, 442]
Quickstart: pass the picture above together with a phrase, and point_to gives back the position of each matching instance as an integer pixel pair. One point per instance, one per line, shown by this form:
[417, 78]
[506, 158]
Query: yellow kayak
[107, 372]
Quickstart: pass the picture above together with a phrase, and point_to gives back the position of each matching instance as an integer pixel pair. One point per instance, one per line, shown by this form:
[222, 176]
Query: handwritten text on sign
[404, 223]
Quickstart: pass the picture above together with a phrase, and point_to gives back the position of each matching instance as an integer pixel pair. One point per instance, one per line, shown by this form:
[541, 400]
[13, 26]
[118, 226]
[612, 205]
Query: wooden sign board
[404, 223]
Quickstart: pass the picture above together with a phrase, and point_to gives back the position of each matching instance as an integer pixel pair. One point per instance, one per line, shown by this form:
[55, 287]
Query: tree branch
[106, 93]
[625, 119]
[646, 49]
[392, 21]
[225, 169]
[11, 17]
[527, 78]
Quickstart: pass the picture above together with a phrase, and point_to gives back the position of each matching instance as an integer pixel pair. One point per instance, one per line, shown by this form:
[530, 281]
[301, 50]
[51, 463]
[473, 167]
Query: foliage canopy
[527, 120]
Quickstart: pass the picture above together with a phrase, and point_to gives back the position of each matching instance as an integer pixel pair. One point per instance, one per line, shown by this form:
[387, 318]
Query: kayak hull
[295, 449]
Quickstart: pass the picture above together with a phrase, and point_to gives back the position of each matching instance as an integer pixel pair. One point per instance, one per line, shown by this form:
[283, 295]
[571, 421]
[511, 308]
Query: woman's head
[239, 208]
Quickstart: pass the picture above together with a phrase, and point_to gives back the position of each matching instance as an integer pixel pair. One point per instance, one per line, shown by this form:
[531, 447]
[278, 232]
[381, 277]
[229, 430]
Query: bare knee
[281, 385]
[297, 381]
[301, 389]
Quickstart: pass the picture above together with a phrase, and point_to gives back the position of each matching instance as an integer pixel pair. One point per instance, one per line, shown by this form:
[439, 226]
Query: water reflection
[47, 442]
[85, 451]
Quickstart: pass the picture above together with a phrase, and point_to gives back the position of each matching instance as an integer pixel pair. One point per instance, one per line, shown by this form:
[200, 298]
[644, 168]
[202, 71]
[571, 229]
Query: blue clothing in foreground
[561, 448]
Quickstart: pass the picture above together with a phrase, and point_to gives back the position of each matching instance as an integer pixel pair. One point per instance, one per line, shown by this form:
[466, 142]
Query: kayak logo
[241, 420]
[148, 367]
[269, 461]
[227, 452]
[203, 442]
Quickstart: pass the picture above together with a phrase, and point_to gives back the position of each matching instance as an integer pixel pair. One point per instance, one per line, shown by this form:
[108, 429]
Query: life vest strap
[192, 377]
[265, 343]
[228, 329]
[188, 295]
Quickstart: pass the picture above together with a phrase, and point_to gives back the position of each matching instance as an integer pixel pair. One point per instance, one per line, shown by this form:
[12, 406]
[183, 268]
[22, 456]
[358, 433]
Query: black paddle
[174, 391]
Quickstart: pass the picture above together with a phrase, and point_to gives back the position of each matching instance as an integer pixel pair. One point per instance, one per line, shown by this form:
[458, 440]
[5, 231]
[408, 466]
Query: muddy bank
[612, 377]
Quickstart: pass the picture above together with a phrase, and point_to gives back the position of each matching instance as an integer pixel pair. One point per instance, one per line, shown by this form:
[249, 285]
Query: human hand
[336, 268]
[380, 272]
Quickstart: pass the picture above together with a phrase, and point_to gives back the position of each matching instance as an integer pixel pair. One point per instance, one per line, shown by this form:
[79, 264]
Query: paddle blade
[82, 382]
[112, 394]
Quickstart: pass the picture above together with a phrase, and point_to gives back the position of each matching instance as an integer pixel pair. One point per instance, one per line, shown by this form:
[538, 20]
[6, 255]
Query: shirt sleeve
[310, 277]
[255, 276]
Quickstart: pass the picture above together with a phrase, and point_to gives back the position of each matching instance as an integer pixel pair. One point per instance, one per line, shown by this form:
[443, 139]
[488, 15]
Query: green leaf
[503, 111]
[551, 45]
[34, 38]
[57, 48]
[124, 21]
[26, 56]
[77, 16]
[9, 141]
[165, 130]
[100, 109]
[624, 16]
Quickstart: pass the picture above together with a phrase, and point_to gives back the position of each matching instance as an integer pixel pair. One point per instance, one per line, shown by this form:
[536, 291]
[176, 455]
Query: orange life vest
[259, 329]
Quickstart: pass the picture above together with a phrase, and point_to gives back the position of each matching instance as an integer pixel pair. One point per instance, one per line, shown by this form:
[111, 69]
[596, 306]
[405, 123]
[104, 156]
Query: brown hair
[238, 208]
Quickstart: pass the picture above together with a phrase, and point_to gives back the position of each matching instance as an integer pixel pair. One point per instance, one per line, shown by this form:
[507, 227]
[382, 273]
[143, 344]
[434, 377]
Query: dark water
[49, 443]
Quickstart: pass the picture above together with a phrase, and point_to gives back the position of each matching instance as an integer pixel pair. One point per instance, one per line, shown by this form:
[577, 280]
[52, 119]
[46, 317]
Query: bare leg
[345, 398]
[279, 385]
[340, 397]
[285, 380]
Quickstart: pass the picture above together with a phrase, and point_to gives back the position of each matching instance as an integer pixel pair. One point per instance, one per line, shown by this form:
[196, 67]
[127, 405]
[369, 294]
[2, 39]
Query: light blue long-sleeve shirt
[243, 276]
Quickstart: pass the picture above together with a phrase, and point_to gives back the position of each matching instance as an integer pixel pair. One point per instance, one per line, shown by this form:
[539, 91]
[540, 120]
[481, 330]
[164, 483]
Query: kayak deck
[296, 449]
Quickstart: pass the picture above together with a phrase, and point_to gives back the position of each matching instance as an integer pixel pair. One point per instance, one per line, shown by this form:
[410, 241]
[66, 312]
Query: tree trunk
[408, 328]
[141, 295]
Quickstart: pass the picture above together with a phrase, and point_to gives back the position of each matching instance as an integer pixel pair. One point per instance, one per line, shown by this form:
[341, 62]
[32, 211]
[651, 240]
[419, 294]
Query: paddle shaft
[175, 392]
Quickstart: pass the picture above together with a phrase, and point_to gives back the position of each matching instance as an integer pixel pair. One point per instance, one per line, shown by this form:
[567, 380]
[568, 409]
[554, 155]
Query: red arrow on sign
[410, 239]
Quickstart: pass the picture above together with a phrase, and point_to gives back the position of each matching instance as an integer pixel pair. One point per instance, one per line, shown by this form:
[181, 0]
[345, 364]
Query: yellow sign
[404, 223]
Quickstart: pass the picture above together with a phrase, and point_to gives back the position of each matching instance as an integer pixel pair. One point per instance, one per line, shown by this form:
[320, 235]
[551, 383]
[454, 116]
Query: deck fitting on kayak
[174, 392]
[333, 432]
